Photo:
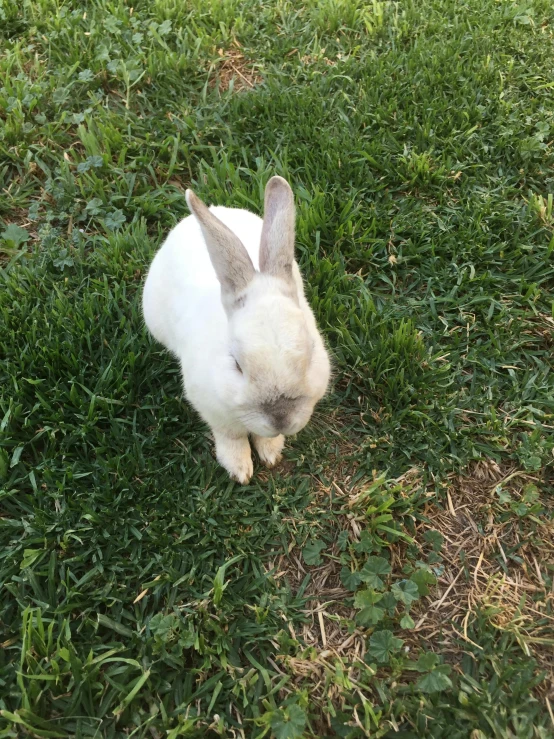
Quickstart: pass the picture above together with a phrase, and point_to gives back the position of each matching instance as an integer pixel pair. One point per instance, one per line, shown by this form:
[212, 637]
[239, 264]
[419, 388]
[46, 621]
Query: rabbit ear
[230, 260]
[277, 242]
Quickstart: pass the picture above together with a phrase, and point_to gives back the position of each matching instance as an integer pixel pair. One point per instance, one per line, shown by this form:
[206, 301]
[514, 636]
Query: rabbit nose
[278, 412]
[279, 420]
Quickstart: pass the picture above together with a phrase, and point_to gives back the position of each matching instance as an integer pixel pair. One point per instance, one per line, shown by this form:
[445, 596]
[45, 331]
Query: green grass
[417, 137]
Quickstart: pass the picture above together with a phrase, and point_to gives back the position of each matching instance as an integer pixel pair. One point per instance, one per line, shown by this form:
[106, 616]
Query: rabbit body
[252, 359]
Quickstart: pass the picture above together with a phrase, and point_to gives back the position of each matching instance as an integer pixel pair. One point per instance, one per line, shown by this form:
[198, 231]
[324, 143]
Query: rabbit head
[277, 365]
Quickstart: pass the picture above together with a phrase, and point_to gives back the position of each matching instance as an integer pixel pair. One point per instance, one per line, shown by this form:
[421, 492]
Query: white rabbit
[225, 295]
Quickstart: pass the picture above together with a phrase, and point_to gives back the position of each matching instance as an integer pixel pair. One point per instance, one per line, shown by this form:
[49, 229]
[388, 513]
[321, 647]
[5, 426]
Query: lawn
[394, 576]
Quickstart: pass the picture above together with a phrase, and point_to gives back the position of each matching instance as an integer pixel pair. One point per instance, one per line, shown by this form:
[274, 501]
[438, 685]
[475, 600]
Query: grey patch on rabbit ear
[230, 260]
[277, 241]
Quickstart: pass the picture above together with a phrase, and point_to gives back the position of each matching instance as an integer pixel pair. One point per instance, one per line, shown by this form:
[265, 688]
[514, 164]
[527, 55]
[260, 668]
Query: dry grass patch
[333, 646]
[329, 641]
[543, 326]
[498, 559]
[232, 66]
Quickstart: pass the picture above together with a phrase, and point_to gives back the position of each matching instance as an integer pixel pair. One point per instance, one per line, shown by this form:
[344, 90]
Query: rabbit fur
[224, 294]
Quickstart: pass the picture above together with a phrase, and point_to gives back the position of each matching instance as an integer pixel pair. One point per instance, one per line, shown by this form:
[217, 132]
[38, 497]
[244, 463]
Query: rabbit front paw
[269, 449]
[234, 455]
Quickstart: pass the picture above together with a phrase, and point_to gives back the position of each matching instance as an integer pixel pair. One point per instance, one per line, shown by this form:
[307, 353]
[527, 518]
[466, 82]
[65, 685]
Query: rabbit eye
[237, 365]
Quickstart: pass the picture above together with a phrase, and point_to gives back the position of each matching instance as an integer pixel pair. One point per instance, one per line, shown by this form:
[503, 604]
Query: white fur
[273, 337]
